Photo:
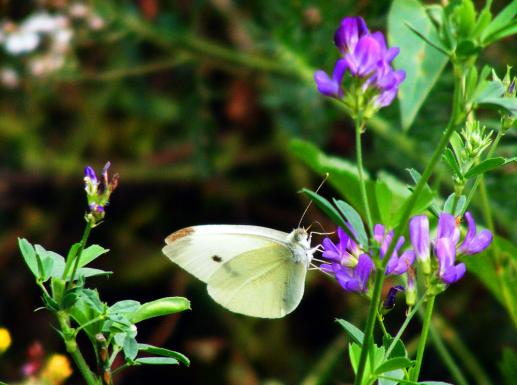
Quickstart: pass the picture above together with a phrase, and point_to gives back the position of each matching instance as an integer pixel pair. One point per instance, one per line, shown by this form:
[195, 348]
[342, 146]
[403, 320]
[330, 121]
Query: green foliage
[508, 366]
[423, 63]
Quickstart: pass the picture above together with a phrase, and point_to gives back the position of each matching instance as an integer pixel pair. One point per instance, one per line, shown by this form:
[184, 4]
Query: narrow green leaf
[156, 361]
[329, 210]
[398, 351]
[501, 21]
[70, 258]
[398, 374]
[354, 219]
[485, 166]
[355, 334]
[354, 352]
[164, 352]
[510, 29]
[450, 159]
[408, 382]
[394, 364]
[158, 308]
[29, 255]
[91, 253]
[87, 272]
[422, 62]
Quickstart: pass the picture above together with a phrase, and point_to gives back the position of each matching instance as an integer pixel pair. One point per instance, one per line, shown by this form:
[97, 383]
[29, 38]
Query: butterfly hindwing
[264, 282]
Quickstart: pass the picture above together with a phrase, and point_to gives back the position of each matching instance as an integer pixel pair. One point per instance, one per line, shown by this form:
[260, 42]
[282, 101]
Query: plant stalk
[73, 350]
[359, 126]
[456, 118]
[423, 337]
[84, 238]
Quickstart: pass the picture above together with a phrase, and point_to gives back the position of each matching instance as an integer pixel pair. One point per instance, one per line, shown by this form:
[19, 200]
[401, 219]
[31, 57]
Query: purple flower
[331, 86]
[389, 301]
[98, 197]
[396, 265]
[368, 59]
[348, 263]
[363, 60]
[91, 183]
[445, 249]
[345, 253]
[352, 279]
[419, 235]
[446, 243]
[474, 243]
[349, 32]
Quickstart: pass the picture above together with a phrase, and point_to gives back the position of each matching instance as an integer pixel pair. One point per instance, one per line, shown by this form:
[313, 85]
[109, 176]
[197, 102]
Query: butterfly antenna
[309, 205]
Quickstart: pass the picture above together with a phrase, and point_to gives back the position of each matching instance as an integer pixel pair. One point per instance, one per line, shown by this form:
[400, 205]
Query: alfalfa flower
[98, 191]
[372, 82]
[396, 265]
[56, 370]
[350, 265]
[446, 246]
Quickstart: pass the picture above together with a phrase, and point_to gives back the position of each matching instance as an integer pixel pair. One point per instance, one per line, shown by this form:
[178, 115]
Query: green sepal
[57, 286]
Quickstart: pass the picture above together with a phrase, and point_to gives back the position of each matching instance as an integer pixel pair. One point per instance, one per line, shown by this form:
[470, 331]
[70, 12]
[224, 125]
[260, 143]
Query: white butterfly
[250, 270]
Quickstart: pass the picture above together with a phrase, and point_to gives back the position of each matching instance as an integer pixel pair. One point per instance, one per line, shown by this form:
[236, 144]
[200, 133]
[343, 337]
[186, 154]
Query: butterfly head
[299, 241]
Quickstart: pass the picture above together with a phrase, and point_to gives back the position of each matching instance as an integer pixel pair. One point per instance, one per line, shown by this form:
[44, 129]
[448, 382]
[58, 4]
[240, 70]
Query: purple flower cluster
[98, 195]
[368, 59]
[446, 245]
[352, 265]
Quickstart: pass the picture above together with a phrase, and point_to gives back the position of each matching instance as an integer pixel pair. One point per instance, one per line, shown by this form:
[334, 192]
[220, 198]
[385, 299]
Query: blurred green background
[195, 103]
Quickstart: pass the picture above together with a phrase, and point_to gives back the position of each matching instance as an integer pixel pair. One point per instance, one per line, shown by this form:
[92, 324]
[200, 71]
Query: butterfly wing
[201, 250]
[264, 282]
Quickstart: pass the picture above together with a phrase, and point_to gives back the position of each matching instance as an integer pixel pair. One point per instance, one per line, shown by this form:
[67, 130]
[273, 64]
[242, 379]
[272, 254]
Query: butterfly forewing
[264, 282]
[201, 250]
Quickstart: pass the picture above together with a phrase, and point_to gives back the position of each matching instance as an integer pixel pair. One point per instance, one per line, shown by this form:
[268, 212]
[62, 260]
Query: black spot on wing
[216, 258]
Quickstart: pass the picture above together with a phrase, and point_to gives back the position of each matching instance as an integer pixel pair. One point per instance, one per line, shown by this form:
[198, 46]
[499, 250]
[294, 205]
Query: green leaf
[91, 253]
[508, 366]
[384, 199]
[29, 255]
[398, 351]
[394, 364]
[158, 308]
[450, 159]
[506, 103]
[500, 22]
[355, 334]
[87, 272]
[329, 210]
[354, 219]
[397, 374]
[408, 382]
[157, 361]
[510, 29]
[422, 62]
[70, 258]
[125, 306]
[164, 352]
[342, 174]
[130, 348]
[354, 352]
[465, 18]
[485, 166]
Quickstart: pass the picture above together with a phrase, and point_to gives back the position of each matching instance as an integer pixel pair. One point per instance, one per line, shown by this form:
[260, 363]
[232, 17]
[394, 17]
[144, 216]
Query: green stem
[423, 337]
[359, 126]
[381, 323]
[72, 348]
[84, 238]
[457, 117]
